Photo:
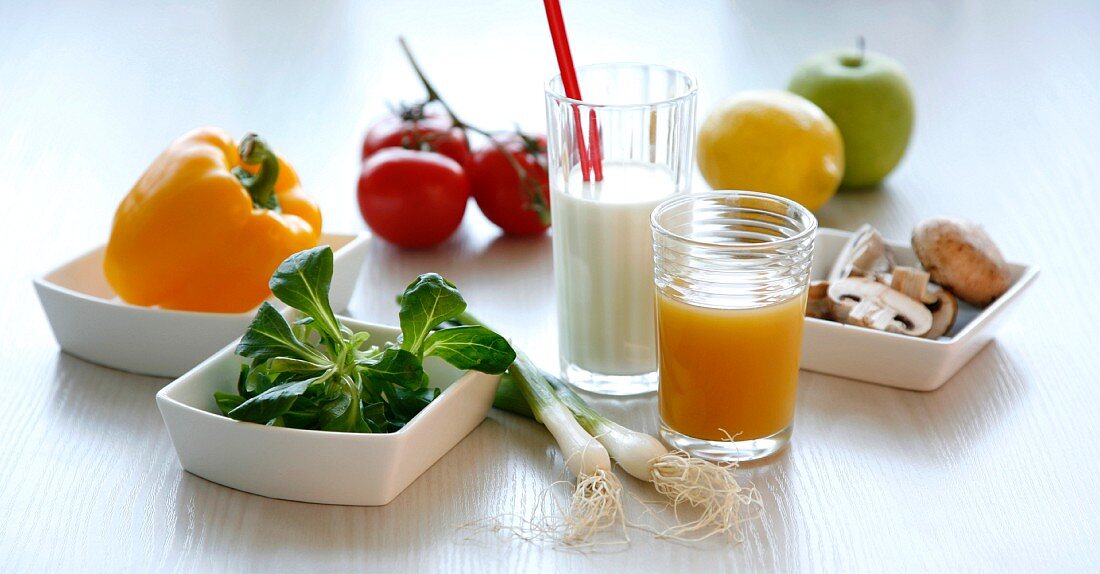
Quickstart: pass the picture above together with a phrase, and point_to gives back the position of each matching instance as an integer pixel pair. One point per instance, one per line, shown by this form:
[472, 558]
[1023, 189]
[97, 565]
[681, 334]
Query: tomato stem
[433, 96]
[532, 185]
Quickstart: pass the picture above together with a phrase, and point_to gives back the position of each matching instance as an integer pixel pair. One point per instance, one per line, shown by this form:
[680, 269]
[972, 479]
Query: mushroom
[944, 308]
[864, 254]
[961, 257]
[817, 305]
[912, 282]
[865, 302]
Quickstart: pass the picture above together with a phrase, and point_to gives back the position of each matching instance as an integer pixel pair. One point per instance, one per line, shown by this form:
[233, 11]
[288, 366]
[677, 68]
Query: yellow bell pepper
[207, 224]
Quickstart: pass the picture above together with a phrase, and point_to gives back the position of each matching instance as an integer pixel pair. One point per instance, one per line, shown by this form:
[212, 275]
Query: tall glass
[603, 258]
[731, 270]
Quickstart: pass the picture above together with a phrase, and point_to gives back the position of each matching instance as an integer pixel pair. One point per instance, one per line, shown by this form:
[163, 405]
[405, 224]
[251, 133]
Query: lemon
[772, 141]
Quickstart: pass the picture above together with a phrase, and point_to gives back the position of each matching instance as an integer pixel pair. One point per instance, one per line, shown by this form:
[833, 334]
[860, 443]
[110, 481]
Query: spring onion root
[711, 488]
[596, 503]
[596, 506]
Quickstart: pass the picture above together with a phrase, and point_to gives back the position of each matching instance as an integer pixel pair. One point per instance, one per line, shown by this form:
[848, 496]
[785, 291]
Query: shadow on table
[932, 427]
[850, 208]
[885, 205]
[526, 262]
[99, 399]
[470, 256]
[480, 262]
[462, 484]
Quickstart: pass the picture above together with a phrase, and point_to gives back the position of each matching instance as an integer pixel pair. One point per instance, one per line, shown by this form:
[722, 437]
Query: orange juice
[728, 370]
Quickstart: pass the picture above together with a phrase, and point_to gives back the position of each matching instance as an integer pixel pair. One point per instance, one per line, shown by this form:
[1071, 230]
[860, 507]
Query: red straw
[580, 139]
[573, 89]
[594, 141]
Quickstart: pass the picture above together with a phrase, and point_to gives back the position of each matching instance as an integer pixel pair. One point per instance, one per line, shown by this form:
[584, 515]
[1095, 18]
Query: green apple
[868, 98]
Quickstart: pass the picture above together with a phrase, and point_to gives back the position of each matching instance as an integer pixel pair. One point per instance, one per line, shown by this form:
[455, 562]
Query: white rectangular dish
[91, 322]
[318, 466]
[898, 360]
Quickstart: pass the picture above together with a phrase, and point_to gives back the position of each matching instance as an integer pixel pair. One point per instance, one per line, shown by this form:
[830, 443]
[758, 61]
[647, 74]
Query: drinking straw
[594, 141]
[573, 89]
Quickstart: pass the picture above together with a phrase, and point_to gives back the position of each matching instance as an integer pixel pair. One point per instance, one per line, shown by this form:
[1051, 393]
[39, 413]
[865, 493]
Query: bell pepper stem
[261, 185]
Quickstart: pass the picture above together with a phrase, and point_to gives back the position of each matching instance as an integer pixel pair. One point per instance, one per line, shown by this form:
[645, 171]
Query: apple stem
[861, 45]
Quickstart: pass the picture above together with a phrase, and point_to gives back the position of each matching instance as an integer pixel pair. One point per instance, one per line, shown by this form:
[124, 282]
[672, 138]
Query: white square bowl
[318, 466]
[898, 360]
[90, 321]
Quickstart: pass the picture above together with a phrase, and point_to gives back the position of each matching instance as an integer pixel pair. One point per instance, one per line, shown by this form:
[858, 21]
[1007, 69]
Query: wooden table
[994, 472]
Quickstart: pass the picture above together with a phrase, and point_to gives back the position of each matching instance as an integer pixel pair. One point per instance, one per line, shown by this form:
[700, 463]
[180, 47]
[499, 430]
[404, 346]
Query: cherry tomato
[519, 207]
[413, 198]
[417, 128]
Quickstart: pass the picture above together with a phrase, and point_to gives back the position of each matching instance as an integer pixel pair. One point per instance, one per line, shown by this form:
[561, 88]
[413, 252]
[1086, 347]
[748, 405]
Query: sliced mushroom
[912, 282]
[865, 254]
[962, 258]
[865, 302]
[817, 304]
[944, 308]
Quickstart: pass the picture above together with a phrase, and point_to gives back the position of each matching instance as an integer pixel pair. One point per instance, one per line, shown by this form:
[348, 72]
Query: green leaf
[303, 416]
[227, 402]
[255, 382]
[242, 380]
[269, 336]
[407, 403]
[471, 347]
[394, 366]
[272, 402]
[357, 340]
[374, 417]
[318, 374]
[302, 281]
[427, 302]
[422, 383]
[337, 414]
[288, 365]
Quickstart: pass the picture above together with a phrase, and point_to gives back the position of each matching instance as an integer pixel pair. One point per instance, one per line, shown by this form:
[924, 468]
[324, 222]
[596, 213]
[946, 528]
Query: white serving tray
[318, 466]
[899, 360]
[91, 322]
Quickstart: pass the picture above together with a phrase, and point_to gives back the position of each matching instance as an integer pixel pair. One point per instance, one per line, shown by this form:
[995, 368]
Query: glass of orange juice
[731, 270]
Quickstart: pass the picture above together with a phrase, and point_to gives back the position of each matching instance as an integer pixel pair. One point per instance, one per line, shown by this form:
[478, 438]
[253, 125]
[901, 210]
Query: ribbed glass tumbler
[731, 270]
[641, 118]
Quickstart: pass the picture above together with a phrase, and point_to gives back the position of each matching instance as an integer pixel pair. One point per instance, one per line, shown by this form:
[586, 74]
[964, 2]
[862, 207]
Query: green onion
[596, 503]
[711, 488]
[584, 455]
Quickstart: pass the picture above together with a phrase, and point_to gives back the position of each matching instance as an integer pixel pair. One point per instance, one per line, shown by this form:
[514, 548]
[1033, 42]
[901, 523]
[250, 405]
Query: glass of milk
[603, 255]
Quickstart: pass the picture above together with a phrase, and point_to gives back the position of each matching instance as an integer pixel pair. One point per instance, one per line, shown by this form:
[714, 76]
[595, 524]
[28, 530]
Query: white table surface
[997, 471]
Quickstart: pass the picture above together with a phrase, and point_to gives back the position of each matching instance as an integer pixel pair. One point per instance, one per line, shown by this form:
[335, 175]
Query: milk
[603, 268]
